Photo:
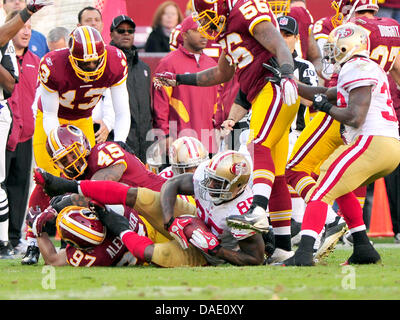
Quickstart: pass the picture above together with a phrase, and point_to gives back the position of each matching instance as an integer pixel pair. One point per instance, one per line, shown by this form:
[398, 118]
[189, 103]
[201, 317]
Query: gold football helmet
[280, 7]
[347, 41]
[344, 9]
[226, 176]
[186, 153]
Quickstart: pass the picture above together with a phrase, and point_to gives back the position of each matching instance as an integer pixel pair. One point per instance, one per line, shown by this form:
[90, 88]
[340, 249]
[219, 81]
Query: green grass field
[327, 281]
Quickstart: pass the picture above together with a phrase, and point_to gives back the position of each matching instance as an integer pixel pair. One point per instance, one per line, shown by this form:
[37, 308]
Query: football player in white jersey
[362, 102]
[220, 188]
[184, 154]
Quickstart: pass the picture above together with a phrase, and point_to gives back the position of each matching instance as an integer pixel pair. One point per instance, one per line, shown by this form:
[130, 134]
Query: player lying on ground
[224, 190]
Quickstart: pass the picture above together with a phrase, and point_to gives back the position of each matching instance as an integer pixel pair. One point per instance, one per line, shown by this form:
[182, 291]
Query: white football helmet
[186, 153]
[347, 41]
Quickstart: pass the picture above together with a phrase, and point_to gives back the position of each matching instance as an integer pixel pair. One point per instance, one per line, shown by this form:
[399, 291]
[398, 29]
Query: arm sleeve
[104, 110]
[120, 102]
[50, 104]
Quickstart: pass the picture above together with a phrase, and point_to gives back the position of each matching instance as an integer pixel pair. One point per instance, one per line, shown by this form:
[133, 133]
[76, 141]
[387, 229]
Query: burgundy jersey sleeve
[384, 37]
[51, 67]
[305, 22]
[242, 49]
[107, 154]
[77, 98]
[322, 28]
[108, 253]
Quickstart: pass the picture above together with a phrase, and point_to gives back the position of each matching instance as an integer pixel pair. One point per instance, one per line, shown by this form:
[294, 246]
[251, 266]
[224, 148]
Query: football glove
[322, 103]
[205, 241]
[283, 76]
[36, 219]
[165, 79]
[175, 228]
[36, 5]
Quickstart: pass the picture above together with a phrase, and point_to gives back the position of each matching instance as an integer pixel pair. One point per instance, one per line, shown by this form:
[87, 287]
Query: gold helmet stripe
[214, 163]
[81, 230]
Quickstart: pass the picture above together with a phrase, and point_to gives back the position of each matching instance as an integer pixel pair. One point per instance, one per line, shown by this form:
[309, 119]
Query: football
[194, 224]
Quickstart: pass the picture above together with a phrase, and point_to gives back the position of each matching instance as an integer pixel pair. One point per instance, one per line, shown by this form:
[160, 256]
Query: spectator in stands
[390, 9]
[122, 32]
[37, 44]
[90, 16]
[57, 38]
[167, 16]
[19, 146]
[187, 110]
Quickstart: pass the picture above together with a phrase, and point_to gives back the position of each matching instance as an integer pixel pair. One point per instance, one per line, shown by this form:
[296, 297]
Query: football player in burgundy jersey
[220, 189]
[91, 243]
[71, 153]
[72, 81]
[249, 35]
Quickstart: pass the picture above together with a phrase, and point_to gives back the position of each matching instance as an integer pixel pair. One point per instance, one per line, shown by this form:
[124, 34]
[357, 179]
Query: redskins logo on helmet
[186, 153]
[211, 16]
[280, 7]
[85, 46]
[344, 9]
[226, 176]
[80, 227]
[68, 148]
[347, 41]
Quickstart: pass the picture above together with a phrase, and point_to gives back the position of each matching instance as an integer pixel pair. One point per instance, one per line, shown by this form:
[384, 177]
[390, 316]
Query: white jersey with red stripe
[381, 118]
[167, 173]
[215, 216]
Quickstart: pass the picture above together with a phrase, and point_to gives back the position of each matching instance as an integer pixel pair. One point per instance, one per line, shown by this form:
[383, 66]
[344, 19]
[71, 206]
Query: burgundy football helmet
[80, 227]
[68, 148]
[344, 9]
[86, 45]
[211, 16]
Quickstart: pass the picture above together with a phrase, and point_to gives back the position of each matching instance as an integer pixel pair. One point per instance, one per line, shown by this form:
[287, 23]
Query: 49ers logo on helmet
[238, 168]
[344, 33]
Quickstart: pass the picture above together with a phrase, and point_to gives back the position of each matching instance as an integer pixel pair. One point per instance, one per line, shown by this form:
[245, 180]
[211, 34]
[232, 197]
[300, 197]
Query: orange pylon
[381, 221]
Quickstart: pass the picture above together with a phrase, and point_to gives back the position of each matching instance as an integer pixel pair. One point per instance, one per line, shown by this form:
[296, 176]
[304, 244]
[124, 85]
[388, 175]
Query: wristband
[286, 70]
[25, 15]
[188, 79]
[168, 224]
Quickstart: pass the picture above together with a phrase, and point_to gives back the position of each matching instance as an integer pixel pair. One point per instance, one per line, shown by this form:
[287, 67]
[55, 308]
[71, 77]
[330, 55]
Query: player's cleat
[348, 239]
[269, 242]
[279, 255]
[53, 185]
[255, 219]
[31, 256]
[295, 228]
[6, 250]
[333, 232]
[363, 254]
[300, 258]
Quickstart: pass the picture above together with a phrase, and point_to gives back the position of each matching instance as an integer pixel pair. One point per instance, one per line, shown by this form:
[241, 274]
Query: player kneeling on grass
[220, 189]
[98, 236]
